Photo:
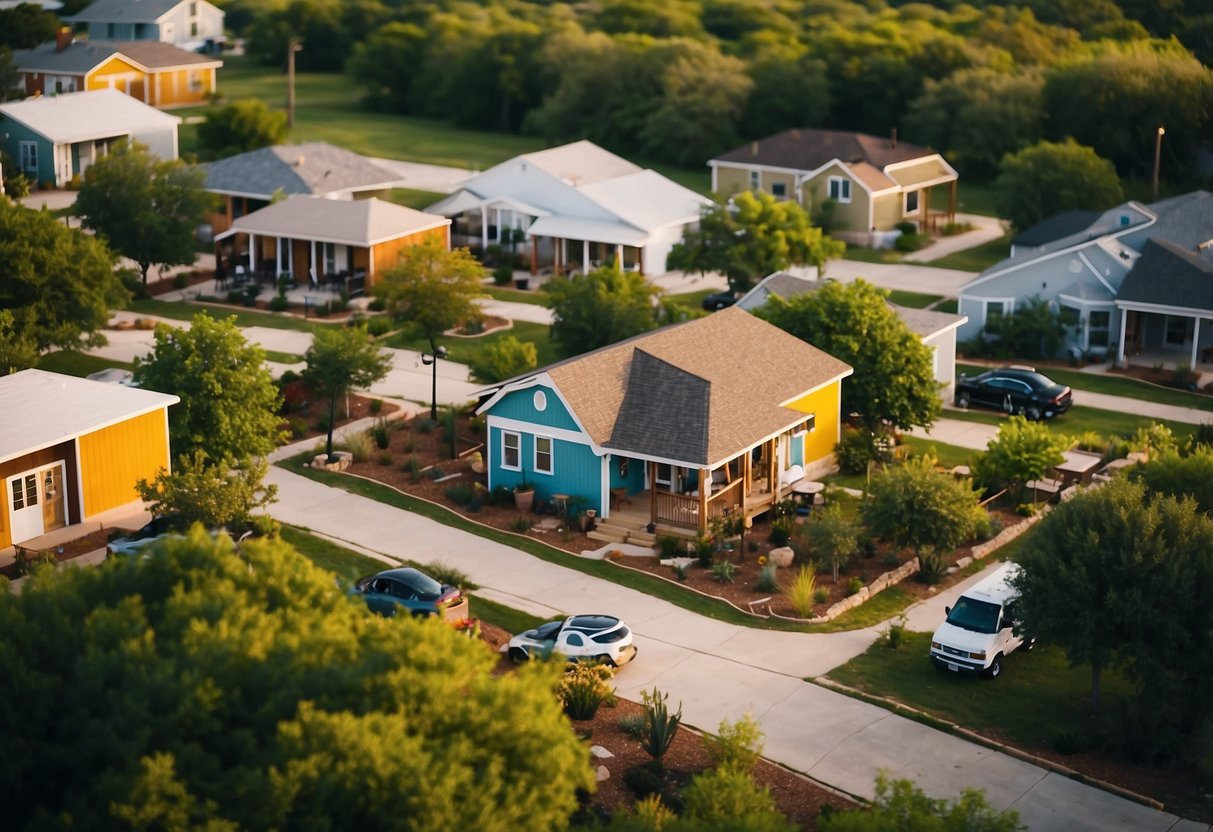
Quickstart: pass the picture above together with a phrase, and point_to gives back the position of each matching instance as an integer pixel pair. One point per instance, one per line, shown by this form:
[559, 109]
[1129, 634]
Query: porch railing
[729, 497]
[677, 509]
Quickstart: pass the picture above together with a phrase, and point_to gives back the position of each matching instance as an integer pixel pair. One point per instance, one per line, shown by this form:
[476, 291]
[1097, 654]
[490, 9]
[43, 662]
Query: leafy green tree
[9, 76]
[599, 308]
[432, 289]
[677, 19]
[214, 492]
[383, 65]
[205, 688]
[26, 25]
[229, 404]
[894, 381]
[1048, 178]
[1021, 452]
[1180, 476]
[320, 27]
[340, 360]
[790, 88]
[17, 349]
[59, 283]
[750, 237]
[243, 125]
[505, 358]
[914, 505]
[1033, 330]
[146, 208]
[1119, 577]
[832, 538]
[900, 805]
[493, 76]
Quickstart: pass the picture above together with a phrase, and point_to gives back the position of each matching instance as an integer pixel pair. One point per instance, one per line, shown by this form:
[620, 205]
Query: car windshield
[978, 616]
[427, 588]
[546, 632]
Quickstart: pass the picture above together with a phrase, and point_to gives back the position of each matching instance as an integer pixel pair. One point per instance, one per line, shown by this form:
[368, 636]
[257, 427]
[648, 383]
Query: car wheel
[995, 668]
[1033, 414]
[518, 655]
[603, 658]
[962, 400]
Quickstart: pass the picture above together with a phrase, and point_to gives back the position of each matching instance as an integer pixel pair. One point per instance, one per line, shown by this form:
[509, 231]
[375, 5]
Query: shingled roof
[696, 392]
[79, 57]
[316, 168]
[1167, 275]
[807, 149]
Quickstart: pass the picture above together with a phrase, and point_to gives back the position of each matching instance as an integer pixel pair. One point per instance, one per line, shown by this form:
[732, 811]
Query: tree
[1048, 178]
[384, 64]
[833, 538]
[600, 308]
[1120, 577]
[432, 289]
[147, 209]
[244, 125]
[894, 381]
[59, 283]
[505, 358]
[229, 404]
[341, 360]
[1033, 330]
[9, 76]
[914, 505]
[750, 237]
[205, 688]
[1021, 452]
[216, 493]
[900, 805]
[17, 349]
[790, 87]
[26, 25]
[1180, 476]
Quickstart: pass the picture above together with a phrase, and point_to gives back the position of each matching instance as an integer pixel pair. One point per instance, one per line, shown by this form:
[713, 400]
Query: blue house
[716, 416]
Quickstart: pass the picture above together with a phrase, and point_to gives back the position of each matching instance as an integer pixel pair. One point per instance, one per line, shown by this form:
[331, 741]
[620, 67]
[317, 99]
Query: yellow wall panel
[826, 405]
[113, 459]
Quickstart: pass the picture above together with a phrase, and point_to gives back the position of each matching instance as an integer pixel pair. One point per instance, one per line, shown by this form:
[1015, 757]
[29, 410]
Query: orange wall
[388, 254]
[114, 458]
[173, 88]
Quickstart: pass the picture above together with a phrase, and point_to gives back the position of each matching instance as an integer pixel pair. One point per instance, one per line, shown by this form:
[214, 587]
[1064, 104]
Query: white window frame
[906, 209]
[1008, 308]
[506, 448]
[844, 189]
[27, 156]
[783, 186]
[755, 180]
[551, 455]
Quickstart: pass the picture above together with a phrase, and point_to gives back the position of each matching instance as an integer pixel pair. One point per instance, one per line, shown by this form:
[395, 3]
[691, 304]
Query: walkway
[986, 229]
[720, 671]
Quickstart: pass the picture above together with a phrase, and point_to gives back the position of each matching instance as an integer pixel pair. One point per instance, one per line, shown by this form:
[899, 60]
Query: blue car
[413, 591]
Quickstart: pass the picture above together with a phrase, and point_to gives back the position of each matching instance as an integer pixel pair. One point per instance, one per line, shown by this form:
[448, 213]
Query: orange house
[158, 74]
[317, 240]
[73, 448]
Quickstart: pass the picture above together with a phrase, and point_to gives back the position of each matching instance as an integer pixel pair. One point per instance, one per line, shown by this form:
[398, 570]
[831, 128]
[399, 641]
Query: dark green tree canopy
[244, 125]
[432, 289]
[1021, 452]
[1048, 178]
[913, 505]
[893, 380]
[218, 493]
[1181, 476]
[58, 282]
[205, 688]
[26, 25]
[340, 360]
[600, 308]
[147, 209]
[229, 404]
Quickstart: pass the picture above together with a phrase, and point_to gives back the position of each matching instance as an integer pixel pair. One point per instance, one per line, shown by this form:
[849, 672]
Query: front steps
[616, 531]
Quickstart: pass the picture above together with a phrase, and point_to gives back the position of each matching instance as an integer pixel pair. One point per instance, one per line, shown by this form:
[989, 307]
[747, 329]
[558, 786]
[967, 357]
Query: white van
[982, 628]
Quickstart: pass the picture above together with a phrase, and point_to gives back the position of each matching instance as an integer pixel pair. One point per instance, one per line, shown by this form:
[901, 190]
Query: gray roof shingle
[1186, 221]
[1167, 275]
[808, 149]
[126, 11]
[81, 56]
[1056, 227]
[316, 168]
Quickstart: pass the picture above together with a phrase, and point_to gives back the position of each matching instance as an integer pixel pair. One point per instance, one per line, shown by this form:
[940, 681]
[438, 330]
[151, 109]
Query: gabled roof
[927, 322]
[697, 392]
[80, 57]
[581, 163]
[1186, 220]
[1056, 227]
[808, 149]
[356, 222]
[42, 409]
[1167, 275]
[94, 114]
[313, 168]
[124, 11]
[664, 202]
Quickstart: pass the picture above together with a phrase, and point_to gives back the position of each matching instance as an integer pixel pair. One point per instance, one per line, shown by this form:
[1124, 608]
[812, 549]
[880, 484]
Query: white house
[188, 24]
[575, 206]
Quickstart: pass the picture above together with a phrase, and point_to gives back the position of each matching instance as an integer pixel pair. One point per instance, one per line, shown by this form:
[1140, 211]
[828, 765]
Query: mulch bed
[306, 413]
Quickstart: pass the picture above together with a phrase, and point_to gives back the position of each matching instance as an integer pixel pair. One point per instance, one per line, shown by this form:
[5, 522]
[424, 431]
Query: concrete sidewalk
[722, 671]
[985, 230]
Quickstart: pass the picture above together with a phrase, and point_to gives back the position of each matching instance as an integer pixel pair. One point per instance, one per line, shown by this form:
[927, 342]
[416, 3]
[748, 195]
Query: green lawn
[1079, 419]
[512, 295]
[468, 350]
[914, 300]
[76, 363]
[179, 311]
[951, 305]
[976, 259]
[1115, 385]
[282, 357]
[411, 198]
[345, 563]
[871, 255]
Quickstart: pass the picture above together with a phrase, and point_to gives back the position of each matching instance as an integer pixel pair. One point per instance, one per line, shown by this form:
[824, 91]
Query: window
[330, 258]
[574, 640]
[1097, 328]
[779, 189]
[755, 180]
[193, 30]
[18, 495]
[911, 202]
[511, 450]
[109, 31]
[543, 455]
[29, 156]
[1178, 331]
[840, 189]
[194, 9]
[995, 310]
[665, 473]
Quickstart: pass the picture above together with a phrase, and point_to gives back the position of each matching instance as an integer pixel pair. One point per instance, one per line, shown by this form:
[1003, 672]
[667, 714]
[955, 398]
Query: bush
[725, 795]
[801, 591]
[1090, 441]
[931, 568]
[907, 227]
[632, 725]
[521, 524]
[181, 280]
[263, 525]
[680, 571]
[235, 296]
[768, 579]
[377, 304]
[386, 458]
[27, 560]
[460, 494]
[821, 595]
[894, 635]
[669, 546]
[737, 745]
[703, 550]
[910, 242]
[503, 274]
[856, 449]
[660, 726]
[643, 780]
[298, 427]
[279, 303]
[584, 688]
[723, 571]
[381, 433]
[376, 406]
[321, 425]
[379, 325]
[413, 466]
[854, 585]
[359, 446]
[1070, 740]
[435, 472]
[781, 530]
[425, 425]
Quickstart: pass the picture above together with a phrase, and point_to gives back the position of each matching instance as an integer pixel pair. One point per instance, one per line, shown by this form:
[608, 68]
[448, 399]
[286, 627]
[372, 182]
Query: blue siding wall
[633, 481]
[520, 405]
[577, 471]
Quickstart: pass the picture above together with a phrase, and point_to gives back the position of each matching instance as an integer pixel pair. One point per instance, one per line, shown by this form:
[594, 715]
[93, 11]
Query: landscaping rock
[344, 458]
[600, 752]
[782, 556]
[602, 774]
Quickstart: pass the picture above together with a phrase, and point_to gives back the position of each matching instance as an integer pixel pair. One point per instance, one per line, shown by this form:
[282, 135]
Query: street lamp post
[292, 48]
[1157, 157]
[430, 359]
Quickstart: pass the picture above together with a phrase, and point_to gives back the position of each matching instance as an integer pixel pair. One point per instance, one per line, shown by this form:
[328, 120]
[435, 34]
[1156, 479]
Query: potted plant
[524, 496]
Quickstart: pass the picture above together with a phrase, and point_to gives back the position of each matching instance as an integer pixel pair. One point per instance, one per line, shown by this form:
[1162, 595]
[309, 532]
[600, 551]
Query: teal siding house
[54, 138]
[675, 428]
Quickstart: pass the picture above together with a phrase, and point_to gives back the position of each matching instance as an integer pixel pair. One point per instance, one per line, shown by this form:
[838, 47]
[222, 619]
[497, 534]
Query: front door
[35, 502]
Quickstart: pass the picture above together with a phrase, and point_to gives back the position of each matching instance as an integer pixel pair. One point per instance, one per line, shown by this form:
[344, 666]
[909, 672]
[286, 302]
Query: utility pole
[292, 48]
[1157, 158]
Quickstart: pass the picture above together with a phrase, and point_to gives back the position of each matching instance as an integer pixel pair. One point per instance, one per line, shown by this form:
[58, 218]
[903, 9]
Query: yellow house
[872, 183]
[158, 74]
[72, 448]
[715, 417]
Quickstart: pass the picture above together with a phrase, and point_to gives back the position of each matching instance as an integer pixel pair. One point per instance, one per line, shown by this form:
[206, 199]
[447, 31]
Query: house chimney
[753, 148]
[893, 137]
[63, 38]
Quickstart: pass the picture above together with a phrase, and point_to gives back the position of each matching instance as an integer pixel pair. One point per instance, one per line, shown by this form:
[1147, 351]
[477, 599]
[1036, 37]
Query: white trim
[519, 426]
[918, 161]
[1008, 309]
[535, 469]
[1139, 306]
[905, 202]
[1083, 302]
[80, 471]
[830, 180]
[518, 436]
[1083, 257]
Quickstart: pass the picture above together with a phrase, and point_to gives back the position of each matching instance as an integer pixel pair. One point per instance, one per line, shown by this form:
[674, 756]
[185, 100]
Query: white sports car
[589, 638]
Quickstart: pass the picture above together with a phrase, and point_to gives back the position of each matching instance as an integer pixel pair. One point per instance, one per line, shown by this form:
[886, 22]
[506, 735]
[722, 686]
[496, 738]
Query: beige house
[874, 183]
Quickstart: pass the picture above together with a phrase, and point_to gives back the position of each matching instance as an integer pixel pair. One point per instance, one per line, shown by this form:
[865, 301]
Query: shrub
[680, 571]
[27, 560]
[800, 592]
[378, 326]
[298, 427]
[444, 574]
[723, 571]
[321, 424]
[1090, 440]
[288, 377]
[584, 687]
[1070, 740]
[703, 550]
[642, 780]
[910, 242]
[359, 446]
[235, 296]
[821, 595]
[424, 425]
[376, 406]
[907, 227]
[413, 466]
[931, 568]
[435, 472]
[460, 494]
[856, 449]
[385, 458]
[912, 505]
[501, 496]
[725, 795]
[660, 726]
[781, 530]
[737, 745]
[503, 274]
[893, 636]
[632, 725]
[381, 432]
[181, 280]
[768, 579]
[669, 545]
[377, 305]
[521, 524]
[279, 303]
[263, 525]
[410, 445]
[854, 585]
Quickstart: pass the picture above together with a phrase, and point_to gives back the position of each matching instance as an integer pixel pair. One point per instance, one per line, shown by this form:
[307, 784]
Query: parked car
[601, 638]
[170, 525]
[719, 300]
[982, 627]
[1018, 390]
[413, 591]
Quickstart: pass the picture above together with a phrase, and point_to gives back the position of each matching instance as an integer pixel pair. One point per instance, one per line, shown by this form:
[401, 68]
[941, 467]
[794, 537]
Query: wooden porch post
[772, 467]
[952, 201]
[534, 255]
[1195, 341]
[652, 469]
[705, 481]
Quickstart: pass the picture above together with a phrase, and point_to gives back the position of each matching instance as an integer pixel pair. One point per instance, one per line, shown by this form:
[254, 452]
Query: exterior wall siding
[887, 211]
[731, 180]
[387, 254]
[576, 470]
[826, 405]
[114, 458]
[65, 451]
[850, 216]
[519, 406]
[18, 133]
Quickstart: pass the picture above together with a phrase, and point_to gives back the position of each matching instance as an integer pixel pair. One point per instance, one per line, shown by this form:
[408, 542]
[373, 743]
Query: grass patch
[976, 259]
[914, 300]
[1079, 419]
[468, 350]
[499, 615]
[1037, 694]
[342, 562]
[878, 608]
[872, 255]
[949, 456]
[505, 293]
[76, 363]
[410, 198]
[282, 357]
[183, 311]
[1114, 385]
[951, 305]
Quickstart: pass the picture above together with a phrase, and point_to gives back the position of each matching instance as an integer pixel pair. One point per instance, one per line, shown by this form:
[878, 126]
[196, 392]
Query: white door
[24, 506]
